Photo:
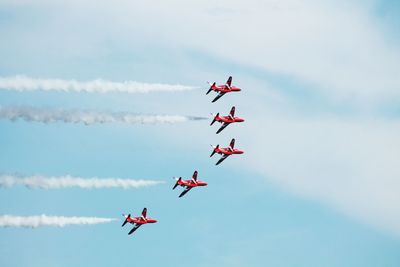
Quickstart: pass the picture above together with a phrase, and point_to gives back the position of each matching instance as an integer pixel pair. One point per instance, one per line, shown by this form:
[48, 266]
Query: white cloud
[336, 47]
[349, 164]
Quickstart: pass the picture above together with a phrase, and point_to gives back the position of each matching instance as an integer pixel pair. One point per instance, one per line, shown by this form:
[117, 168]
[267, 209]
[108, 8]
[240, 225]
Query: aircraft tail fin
[211, 87]
[232, 144]
[232, 113]
[215, 119]
[144, 213]
[229, 81]
[126, 219]
[177, 183]
[214, 150]
[194, 177]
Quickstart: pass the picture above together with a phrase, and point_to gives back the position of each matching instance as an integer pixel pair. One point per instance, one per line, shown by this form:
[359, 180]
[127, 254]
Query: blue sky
[318, 185]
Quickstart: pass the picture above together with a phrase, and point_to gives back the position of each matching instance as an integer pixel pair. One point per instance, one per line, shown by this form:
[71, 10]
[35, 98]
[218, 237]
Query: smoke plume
[24, 83]
[44, 220]
[43, 182]
[48, 115]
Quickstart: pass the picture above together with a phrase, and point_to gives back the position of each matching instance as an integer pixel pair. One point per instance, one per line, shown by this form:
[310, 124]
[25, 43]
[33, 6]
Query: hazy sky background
[319, 182]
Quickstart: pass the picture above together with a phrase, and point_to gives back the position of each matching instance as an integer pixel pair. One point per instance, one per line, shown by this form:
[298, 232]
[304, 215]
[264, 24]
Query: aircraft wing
[222, 127]
[218, 96]
[134, 228]
[185, 191]
[222, 159]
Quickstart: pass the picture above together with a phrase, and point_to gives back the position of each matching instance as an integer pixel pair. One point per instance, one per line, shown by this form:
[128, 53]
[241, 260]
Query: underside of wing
[222, 159]
[185, 191]
[222, 127]
[218, 96]
[134, 228]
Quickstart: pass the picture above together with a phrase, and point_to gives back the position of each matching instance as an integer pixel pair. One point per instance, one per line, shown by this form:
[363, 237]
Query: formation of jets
[224, 151]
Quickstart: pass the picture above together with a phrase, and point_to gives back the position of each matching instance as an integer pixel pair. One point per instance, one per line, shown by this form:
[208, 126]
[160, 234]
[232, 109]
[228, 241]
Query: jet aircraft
[223, 89]
[189, 184]
[226, 120]
[137, 221]
[225, 152]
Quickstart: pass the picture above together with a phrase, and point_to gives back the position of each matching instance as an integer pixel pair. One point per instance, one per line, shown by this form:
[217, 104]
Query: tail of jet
[232, 113]
[144, 213]
[214, 150]
[177, 182]
[126, 219]
[229, 81]
[215, 119]
[194, 177]
[232, 144]
[211, 87]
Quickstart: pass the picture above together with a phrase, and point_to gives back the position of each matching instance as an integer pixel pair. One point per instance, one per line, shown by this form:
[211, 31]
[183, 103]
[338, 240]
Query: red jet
[139, 221]
[223, 89]
[188, 183]
[225, 152]
[226, 120]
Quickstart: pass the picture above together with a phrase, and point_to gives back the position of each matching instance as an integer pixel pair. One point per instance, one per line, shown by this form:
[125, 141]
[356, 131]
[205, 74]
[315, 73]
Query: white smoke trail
[47, 115]
[24, 83]
[44, 220]
[38, 181]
